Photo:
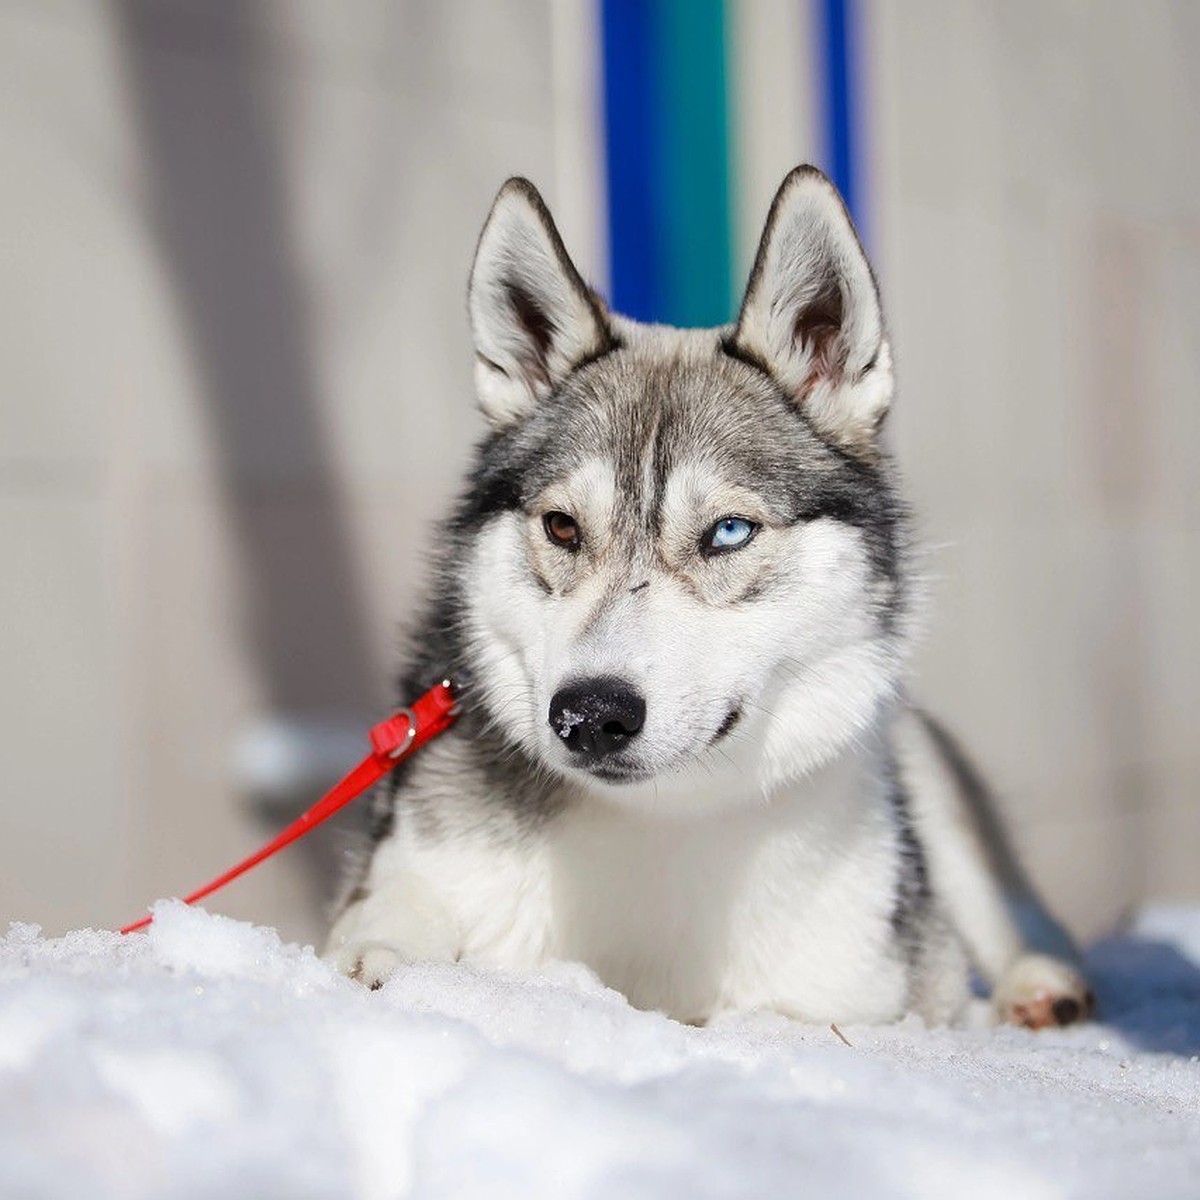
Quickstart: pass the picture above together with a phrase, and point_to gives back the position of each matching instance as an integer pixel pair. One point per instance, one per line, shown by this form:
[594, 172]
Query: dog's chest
[785, 905]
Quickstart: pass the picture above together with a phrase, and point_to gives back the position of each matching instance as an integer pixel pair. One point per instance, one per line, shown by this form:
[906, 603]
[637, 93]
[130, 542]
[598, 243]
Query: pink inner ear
[823, 342]
[818, 330]
[822, 339]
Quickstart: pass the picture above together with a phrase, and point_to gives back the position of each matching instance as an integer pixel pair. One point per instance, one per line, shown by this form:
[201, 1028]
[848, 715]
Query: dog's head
[681, 547]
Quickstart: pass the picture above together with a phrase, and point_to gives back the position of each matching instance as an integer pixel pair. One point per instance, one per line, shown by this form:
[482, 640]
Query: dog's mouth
[609, 773]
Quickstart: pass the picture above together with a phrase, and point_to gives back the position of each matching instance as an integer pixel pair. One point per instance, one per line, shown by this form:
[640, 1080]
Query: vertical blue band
[630, 51]
[838, 51]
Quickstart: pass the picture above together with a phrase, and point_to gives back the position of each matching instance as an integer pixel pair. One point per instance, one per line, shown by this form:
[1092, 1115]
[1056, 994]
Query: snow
[207, 1058]
[566, 721]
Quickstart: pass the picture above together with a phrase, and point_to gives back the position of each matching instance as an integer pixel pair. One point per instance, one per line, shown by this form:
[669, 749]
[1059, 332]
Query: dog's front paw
[1038, 991]
[370, 963]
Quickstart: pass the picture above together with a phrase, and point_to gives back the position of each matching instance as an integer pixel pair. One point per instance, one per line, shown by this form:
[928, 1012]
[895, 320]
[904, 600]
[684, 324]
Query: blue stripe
[840, 76]
[631, 111]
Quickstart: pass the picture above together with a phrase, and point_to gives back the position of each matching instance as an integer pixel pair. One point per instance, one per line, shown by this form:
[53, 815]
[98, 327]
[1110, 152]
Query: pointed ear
[811, 316]
[533, 318]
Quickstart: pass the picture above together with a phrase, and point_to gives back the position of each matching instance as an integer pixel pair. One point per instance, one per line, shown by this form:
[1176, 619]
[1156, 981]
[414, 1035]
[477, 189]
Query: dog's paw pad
[1041, 992]
[371, 964]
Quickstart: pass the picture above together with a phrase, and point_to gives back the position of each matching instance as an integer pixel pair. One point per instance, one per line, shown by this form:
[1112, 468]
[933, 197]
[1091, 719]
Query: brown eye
[562, 530]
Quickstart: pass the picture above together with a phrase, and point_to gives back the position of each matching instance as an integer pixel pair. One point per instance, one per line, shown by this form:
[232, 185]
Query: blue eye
[729, 533]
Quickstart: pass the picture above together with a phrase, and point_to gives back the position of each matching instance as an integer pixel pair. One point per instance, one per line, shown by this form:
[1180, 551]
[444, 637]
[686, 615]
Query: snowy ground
[208, 1059]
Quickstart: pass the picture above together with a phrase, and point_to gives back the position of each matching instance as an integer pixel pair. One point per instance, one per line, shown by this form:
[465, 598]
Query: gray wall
[1040, 241]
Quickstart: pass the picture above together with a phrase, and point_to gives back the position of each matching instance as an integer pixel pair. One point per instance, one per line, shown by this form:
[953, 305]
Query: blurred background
[235, 381]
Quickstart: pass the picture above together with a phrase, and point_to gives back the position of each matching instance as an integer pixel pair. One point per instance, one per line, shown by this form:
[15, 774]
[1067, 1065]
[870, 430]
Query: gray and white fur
[676, 592]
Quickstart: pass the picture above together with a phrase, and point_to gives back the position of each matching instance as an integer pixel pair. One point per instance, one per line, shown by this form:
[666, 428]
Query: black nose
[594, 717]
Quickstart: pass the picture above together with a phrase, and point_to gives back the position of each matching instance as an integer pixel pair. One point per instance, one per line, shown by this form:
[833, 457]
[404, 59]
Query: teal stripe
[694, 163]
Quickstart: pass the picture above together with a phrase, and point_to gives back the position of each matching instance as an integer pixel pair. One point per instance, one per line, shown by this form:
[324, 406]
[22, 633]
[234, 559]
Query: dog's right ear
[532, 317]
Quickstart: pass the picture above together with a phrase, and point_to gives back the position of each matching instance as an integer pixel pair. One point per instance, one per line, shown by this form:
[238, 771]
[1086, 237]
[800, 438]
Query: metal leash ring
[410, 736]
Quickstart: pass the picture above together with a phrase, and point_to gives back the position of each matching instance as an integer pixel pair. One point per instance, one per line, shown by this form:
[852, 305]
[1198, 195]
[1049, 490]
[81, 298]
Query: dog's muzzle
[597, 717]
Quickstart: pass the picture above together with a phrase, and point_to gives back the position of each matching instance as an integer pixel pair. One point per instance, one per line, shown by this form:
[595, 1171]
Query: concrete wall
[235, 387]
[1039, 237]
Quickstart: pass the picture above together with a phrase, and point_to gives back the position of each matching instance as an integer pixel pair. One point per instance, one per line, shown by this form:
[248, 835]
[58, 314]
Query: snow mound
[207, 1058]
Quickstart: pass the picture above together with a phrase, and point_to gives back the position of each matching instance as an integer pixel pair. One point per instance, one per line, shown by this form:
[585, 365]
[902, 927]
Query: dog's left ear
[811, 316]
[532, 317]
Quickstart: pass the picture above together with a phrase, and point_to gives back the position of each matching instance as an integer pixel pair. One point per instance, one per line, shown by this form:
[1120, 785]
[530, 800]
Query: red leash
[392, 741]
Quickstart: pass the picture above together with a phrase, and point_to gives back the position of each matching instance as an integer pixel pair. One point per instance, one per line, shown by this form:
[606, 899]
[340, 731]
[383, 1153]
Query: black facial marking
[757, 589]
[637, 587]
[494, 485]
[861, 495]
[731, 719]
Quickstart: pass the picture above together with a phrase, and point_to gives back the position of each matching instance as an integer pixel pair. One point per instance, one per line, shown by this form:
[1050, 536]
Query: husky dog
[677, 597]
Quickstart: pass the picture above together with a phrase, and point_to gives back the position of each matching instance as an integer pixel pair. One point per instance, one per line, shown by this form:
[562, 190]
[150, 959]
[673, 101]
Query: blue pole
[839, 53]
[631, 111]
